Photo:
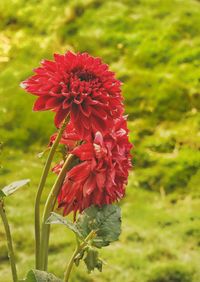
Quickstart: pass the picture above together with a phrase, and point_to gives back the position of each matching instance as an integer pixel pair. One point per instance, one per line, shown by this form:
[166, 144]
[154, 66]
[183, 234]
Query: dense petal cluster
[101, 176]
[79, 85]
[82, 88]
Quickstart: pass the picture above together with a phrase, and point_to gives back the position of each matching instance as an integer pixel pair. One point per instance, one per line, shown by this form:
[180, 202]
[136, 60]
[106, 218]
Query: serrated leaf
[14, 186]
[58, 219]
[92, 260]
[106, 221]
[41, 276]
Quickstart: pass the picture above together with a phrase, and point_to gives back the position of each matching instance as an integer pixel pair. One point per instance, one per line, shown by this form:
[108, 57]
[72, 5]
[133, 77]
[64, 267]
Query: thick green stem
[39, 194]
[9, 242]
[49, 207]
[78, 249]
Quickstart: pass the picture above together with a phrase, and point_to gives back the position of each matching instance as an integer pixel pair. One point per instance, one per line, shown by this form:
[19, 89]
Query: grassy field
[154, 47]
[159, 242]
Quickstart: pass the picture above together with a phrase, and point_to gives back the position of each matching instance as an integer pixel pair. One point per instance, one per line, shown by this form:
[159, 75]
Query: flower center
[78, 85]
[85, 76]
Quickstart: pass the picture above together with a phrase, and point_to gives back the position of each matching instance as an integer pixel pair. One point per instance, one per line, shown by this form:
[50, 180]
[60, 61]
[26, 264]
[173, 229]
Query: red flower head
[80, 85]
[101, 176]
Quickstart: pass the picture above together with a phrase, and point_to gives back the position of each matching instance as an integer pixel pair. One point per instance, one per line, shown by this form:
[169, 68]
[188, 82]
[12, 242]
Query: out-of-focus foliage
[154, 48]
[171, 273]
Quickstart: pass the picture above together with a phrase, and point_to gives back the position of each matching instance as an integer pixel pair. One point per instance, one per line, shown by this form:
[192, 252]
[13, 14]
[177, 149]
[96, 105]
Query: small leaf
[106, 221]
[92, 260]
[14, 186]
[41, 276]
[58, 219]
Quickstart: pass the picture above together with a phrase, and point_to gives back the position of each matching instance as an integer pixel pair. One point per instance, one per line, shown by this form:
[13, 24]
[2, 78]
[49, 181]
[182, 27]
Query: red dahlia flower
[101, 176]
[79, 85]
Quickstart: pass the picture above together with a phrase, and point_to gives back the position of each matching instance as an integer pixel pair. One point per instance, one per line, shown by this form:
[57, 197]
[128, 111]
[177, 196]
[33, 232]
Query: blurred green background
[154, 48]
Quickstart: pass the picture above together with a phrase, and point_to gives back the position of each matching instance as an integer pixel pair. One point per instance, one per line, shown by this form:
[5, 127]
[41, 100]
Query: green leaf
[41, 276]
[58, 219]
[106, 221]
[92, 260]
[14, 186]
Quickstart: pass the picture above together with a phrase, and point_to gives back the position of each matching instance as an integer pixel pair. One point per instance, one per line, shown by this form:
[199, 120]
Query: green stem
[9, 242]
[78, 249]
[70, 264]
[49, 207]
[39, 194]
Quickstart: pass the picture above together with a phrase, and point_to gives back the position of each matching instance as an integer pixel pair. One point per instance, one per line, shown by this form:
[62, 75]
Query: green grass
[154, 47]
[160, 232]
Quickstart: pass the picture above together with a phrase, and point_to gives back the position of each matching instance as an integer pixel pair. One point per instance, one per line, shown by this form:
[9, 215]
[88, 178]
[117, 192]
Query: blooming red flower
[79, 85]
[101, 176]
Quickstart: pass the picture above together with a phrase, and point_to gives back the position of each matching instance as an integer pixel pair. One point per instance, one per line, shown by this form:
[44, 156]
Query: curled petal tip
[23, 85]
[98, 138]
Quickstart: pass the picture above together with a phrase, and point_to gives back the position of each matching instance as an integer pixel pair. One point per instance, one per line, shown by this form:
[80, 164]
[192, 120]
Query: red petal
[60, 116]
[80, 128]
[89, 186]
[40, 103]
[59, 58]
[97, 111]
[79, 172]
[54, 102]
[84, 152]
[100, 179]
[85, 121]
[74, 112]
[49, 65]
[85, 109]
[99, 124]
